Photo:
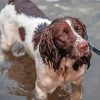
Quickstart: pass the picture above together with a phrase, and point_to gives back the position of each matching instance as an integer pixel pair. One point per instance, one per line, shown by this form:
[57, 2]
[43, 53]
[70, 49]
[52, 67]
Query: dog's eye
[78, 28]
[65, 31]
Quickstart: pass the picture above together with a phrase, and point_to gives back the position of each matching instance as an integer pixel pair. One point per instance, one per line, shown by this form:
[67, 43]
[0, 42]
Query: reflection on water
[17, 76]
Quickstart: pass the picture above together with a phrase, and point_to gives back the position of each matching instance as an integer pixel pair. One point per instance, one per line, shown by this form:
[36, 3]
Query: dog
[59, 48]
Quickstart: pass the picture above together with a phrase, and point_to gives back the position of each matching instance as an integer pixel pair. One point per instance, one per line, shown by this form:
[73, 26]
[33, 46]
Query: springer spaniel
[59, 48]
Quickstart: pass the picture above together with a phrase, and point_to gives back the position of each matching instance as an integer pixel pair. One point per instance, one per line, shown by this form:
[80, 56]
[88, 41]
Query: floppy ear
[81, 61]
[87, 59]
[48, 50]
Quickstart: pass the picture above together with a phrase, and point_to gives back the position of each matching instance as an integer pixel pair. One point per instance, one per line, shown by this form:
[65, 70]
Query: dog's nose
[82, 46]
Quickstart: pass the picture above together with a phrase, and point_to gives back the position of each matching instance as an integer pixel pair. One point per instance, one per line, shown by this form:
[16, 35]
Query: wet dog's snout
[82, 46]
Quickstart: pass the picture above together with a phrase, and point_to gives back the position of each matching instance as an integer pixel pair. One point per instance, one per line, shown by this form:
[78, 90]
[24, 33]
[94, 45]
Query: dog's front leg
[46, 82]
[40, 94]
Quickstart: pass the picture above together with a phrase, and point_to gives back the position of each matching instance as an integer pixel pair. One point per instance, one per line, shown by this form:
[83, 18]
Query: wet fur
[51, 46]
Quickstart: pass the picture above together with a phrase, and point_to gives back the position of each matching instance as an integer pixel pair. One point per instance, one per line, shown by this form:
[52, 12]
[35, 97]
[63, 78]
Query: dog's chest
[71, 75]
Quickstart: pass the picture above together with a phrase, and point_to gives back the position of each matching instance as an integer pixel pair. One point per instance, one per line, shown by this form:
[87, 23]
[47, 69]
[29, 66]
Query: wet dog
[59, 48]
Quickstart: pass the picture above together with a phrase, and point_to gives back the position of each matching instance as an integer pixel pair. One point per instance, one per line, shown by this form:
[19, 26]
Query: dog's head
[64, 37]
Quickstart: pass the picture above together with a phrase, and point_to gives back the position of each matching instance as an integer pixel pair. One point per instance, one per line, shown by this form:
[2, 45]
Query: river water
[17, 76]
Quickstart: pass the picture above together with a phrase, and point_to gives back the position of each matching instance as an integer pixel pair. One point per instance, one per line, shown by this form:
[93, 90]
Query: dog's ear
[87, 59]
[49, 53]
[83, 60]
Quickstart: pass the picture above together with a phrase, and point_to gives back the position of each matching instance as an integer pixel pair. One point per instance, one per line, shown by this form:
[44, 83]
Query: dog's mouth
[75, 61]
[74, 53]
[78, 52]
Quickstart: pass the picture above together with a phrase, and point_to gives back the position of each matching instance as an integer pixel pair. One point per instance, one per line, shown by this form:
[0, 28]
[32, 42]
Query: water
[17, 79]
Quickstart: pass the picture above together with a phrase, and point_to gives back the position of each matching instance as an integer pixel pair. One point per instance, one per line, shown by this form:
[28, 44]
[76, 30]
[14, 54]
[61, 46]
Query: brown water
[17, 75]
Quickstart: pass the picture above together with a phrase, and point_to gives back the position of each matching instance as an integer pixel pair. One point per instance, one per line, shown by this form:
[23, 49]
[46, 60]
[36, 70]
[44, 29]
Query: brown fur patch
[22, 33]
[27, 7]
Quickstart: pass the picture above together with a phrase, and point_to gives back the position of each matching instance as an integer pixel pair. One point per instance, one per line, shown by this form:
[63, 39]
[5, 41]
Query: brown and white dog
[59, 48]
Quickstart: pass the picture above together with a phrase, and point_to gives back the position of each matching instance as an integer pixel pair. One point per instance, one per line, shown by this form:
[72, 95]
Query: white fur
[75, 33]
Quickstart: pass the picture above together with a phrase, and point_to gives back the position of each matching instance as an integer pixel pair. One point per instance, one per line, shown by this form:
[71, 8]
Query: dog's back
[19, 21]
[27, 7]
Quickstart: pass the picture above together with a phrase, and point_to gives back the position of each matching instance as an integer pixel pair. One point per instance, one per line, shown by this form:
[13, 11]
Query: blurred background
[89, 13]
